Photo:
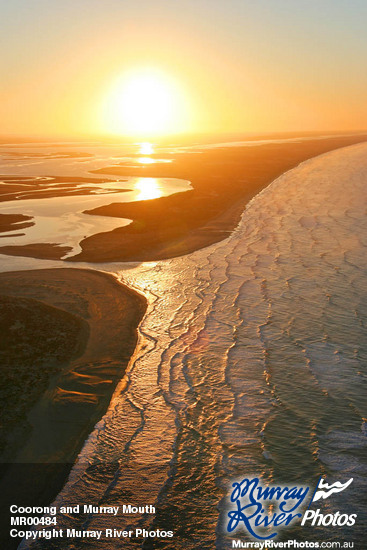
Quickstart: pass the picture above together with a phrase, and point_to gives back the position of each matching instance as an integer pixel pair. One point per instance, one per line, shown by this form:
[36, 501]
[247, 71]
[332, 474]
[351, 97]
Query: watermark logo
[263, 510]
[253, 504]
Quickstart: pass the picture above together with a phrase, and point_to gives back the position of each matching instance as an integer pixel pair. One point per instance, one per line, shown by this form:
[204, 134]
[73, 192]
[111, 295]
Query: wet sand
[15, 188]
[67, 337]
[14, 222]
[81, 388]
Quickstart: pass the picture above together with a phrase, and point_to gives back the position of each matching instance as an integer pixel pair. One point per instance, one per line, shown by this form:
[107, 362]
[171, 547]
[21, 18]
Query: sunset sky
[84, 66]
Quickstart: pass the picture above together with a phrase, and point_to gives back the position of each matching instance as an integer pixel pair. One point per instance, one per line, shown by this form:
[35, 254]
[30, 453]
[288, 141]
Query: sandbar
[67, 336]
[224, 179]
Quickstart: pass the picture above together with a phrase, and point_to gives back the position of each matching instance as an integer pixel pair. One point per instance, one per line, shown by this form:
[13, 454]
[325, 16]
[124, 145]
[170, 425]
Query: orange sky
[271, 65]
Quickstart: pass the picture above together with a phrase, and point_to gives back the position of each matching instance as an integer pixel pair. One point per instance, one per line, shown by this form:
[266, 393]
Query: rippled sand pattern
[252, 360]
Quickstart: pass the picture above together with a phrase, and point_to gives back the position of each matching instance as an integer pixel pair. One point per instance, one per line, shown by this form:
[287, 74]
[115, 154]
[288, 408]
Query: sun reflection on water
[146, 148]
[146, 160]
[149, 188]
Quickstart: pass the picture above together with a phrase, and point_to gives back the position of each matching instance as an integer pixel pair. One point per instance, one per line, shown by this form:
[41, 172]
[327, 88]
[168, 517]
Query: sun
[144, 103]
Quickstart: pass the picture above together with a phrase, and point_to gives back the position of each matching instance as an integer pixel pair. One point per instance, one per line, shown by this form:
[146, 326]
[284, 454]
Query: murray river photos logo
[262, 510]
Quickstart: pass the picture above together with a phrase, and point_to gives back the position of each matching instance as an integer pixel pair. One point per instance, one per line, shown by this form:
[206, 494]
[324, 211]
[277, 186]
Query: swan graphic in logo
[324, 490]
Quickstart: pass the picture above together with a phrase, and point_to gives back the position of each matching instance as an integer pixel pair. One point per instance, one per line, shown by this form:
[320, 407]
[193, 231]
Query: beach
[223, 180]
[67, 337]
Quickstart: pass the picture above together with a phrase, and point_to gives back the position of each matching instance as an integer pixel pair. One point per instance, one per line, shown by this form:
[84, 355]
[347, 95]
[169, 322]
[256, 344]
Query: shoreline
[224, 180]
[46, 431]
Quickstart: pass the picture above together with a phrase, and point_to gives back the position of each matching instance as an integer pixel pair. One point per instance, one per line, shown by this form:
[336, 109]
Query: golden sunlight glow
[146, 148]
[144, 102]
[149, 160]
[149, 189]
[146, 160]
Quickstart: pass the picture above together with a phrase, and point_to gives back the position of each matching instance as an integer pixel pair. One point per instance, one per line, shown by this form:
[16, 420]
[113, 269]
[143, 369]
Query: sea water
[251, 361]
